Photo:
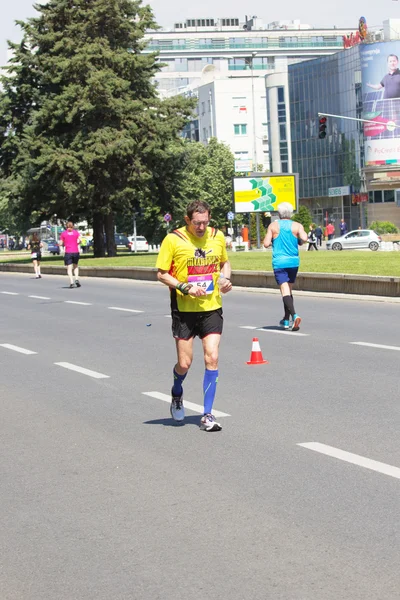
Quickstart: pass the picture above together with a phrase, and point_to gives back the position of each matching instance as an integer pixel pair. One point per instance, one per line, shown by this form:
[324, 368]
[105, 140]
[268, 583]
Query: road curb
[333, 283]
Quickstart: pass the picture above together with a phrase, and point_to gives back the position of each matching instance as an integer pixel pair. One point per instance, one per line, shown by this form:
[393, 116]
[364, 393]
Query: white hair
[285, 210]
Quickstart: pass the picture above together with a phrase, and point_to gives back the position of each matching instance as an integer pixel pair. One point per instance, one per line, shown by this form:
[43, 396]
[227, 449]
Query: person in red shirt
[330, 231]
[71, 239]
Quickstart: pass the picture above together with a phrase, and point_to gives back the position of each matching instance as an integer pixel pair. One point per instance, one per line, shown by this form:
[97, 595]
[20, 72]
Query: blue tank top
[285, 248]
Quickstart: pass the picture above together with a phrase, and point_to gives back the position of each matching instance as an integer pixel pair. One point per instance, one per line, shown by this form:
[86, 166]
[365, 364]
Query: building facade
[332, 168]
[232, 46]
[223, 62]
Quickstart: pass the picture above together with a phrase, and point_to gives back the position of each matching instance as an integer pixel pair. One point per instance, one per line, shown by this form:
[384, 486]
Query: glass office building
[330, 84]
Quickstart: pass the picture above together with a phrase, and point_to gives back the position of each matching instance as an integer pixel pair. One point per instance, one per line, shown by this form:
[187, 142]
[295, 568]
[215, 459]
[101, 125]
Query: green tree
[83, 132]
[304, 217]
[383, 227]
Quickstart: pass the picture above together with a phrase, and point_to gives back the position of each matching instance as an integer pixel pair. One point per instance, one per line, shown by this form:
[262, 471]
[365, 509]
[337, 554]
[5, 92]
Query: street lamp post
[255, 162]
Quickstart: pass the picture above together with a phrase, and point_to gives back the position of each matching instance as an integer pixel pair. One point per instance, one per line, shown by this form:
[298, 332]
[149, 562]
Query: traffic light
[322, 128]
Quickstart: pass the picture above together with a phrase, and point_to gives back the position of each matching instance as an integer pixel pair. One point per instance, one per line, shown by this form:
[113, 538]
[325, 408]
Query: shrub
[383, 227]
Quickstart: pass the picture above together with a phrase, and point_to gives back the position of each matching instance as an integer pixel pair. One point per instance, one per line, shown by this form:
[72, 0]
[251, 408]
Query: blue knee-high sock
[209, 388]
[178, 380]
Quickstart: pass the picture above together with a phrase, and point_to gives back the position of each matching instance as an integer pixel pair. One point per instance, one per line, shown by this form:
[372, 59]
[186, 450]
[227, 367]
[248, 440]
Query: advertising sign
[380, 76]
[261, 193]
[343, 190]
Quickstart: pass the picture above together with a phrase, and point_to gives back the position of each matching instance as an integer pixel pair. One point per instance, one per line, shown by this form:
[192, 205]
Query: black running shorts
[186, 325]
[71, 258]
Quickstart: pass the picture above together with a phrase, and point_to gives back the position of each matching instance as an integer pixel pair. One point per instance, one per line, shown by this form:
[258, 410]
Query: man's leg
[184, 351]
[296, 318]
[286, 291]
[211, 351]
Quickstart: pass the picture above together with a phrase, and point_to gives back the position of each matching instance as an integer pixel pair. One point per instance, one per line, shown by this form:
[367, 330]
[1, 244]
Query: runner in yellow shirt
[194, 264]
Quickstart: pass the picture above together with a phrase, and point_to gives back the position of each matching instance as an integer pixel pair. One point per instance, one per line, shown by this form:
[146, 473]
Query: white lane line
[376, 346]
[168, 316]
[124, 309]
[82, 370]
[354, 459]
[281, 331]
[17, 349]
[11, 293]
[81, 303]
[190, 405]
[40, 297]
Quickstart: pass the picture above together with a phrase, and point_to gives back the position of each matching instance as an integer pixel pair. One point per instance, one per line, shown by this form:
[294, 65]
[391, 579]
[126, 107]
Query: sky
[341, 13]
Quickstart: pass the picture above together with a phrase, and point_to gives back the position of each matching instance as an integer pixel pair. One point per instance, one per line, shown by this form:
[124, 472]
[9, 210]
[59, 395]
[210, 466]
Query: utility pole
[255, 162]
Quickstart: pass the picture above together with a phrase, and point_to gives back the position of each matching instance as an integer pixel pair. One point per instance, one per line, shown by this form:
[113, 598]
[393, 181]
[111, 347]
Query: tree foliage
[383, 227]
[304, 217]
[82, 130]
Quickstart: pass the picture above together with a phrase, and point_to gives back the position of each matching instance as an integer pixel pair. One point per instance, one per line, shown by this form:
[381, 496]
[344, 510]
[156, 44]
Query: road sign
[167, 217]
[230, 216]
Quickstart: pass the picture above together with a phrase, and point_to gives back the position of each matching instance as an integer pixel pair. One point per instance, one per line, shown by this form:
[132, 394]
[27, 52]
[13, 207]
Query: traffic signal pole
[355, 119]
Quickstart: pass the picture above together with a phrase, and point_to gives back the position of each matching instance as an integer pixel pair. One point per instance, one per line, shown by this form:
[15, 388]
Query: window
[281, 94]
[388, 196]
[240, 129]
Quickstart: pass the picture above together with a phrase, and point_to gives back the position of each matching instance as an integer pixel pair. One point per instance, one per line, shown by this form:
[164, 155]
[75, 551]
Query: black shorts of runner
[37, 257]
[186, 325]
[71, 258]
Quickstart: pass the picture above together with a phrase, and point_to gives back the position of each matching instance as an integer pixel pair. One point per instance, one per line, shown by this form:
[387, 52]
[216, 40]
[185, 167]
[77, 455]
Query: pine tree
[83, 132]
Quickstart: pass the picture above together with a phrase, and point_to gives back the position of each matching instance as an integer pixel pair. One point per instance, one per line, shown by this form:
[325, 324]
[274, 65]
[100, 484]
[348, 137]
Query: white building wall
[226, 103]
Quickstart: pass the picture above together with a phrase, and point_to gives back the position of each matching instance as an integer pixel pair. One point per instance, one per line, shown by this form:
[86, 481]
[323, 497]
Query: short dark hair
[394, 55]
[198, 206]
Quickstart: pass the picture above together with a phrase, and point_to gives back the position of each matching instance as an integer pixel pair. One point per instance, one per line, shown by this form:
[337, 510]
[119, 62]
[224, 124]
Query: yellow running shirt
[197, 261]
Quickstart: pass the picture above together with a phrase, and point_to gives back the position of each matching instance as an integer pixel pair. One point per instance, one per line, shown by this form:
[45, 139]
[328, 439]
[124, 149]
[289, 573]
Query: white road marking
[282, 331]
[124, 309]
[40, 297]
[11, 293]
[354, 459]
[82, 370]
[190, 405]
[81, 303]
[375, 345]
[168, 316]
[17, 349]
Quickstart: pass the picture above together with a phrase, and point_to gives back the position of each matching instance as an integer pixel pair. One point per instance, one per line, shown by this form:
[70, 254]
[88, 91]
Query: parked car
[142, 244]
[52, 246]
[360, 238]
[121, 241]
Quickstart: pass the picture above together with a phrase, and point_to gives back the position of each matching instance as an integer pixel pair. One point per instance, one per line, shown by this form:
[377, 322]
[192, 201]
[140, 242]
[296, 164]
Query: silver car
[360, 238]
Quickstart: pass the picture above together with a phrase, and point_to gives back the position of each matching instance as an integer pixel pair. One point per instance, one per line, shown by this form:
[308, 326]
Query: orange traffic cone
[256, 357]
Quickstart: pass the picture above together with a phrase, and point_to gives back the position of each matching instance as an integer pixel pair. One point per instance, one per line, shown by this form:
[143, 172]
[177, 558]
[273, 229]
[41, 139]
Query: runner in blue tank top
[285, 236]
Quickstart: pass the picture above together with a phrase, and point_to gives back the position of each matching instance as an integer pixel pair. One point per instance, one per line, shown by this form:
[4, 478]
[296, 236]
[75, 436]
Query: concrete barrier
[308, 282]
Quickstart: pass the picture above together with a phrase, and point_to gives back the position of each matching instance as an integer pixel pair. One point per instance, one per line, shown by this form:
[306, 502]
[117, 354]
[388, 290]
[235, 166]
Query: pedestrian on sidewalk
[330, 231]
[70, 240]
[285, 236]
[318, 235]
[194, 264]
[35, 246]
[312, 239]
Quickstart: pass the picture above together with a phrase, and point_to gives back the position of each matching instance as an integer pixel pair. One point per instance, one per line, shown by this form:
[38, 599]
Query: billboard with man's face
[380, 76]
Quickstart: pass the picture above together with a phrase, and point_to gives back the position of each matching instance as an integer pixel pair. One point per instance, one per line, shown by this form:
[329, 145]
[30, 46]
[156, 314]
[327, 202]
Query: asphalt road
[104, 497]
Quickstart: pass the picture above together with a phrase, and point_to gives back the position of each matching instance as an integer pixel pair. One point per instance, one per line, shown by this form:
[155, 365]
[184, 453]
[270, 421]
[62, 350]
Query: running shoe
[284, 324]
[71, 285]
[296, 323]
[176, 409]
[208, 423]
[77, 283]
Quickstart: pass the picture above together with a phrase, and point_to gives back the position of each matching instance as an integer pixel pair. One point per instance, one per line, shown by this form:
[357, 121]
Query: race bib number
[34, 255]
[206, 282]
